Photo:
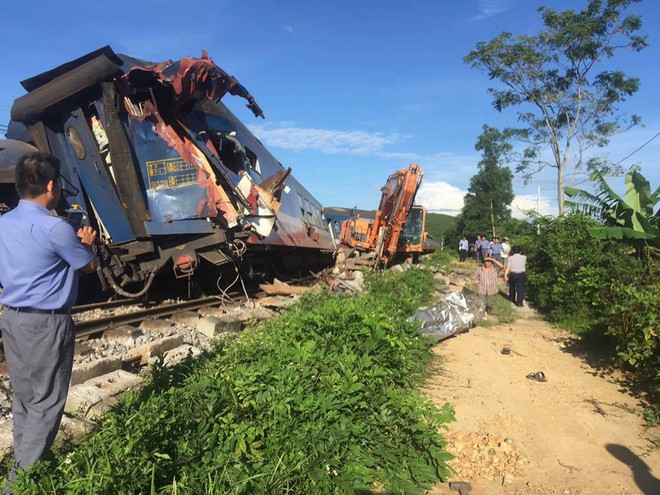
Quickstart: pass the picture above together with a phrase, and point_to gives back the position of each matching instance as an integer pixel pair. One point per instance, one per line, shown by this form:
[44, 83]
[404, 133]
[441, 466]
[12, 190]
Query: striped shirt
[486, 281]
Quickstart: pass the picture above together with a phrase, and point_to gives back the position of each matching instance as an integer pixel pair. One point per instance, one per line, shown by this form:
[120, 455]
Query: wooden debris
[279, 288]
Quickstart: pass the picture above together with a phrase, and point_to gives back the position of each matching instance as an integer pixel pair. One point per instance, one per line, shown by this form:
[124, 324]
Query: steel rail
[87, 328]
[81, 308]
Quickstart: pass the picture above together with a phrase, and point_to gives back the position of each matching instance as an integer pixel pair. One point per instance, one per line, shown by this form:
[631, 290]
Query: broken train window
[231, 151]
[253, 160]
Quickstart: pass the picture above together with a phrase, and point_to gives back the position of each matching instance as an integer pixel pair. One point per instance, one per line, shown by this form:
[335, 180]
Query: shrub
[634, 320]
[570, 273]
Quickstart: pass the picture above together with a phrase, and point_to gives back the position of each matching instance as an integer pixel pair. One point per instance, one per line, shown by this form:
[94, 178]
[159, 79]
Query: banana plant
[632, 219]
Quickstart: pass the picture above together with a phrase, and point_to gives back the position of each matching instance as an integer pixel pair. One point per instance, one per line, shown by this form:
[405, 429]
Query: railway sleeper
[95, 396]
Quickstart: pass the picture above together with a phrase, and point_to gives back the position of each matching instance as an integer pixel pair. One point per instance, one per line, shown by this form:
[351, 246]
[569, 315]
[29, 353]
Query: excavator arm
[383, 234]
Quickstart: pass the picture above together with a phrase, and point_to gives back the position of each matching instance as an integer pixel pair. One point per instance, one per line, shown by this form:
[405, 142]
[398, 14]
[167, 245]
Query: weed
[441, 259]
[651, 415]
[503, 313]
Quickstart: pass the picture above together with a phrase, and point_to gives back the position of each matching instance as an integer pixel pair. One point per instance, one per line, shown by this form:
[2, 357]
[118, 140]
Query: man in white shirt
[506, 249]
[463, 246]
[514, 273]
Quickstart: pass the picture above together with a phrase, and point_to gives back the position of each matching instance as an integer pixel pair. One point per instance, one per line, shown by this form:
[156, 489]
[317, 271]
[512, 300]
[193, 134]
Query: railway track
[117, 303]
[90, 327]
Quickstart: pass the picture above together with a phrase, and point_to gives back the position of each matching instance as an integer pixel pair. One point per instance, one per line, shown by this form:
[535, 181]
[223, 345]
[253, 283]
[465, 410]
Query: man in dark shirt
[40, 255]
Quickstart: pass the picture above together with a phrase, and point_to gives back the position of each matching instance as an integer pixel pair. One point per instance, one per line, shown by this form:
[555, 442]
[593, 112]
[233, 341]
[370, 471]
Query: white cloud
[288, 29]
[400, 155]
[441, 197]
[326, 140]
[437, 166]
[491, 8]
[524, 203]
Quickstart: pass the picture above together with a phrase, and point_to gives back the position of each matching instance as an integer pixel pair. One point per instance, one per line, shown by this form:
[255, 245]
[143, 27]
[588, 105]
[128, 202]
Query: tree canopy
[565, 105]
[487, 202]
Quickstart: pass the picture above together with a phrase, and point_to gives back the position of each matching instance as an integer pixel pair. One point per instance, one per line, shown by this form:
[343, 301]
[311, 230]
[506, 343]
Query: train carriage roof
[188, 77]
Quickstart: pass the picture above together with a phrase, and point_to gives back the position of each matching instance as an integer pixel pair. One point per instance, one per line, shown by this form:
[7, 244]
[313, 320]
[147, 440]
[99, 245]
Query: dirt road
[579, 432]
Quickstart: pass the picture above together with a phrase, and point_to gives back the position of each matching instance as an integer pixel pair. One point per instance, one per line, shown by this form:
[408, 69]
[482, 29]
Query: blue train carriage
[166, 172]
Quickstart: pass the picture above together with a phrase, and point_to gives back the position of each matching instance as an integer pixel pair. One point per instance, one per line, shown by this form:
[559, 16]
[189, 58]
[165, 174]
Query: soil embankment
[579, 432]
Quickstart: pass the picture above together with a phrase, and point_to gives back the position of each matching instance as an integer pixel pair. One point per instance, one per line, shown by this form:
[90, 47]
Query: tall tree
[566, 106]
[487, 203]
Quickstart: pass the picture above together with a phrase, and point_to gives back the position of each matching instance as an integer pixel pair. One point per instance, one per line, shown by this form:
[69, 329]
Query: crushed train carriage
[165, 171]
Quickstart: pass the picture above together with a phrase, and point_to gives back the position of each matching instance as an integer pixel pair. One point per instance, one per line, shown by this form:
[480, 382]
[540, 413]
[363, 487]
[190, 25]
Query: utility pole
[492, 216]
[538, 209]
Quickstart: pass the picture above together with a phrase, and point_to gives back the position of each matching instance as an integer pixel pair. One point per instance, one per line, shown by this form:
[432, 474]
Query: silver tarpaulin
[454, 314]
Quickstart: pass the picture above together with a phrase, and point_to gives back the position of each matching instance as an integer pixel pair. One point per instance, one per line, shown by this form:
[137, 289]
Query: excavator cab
[414, 233]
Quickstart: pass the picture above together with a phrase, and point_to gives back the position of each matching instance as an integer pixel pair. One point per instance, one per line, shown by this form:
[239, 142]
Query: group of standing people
[483, 248]
[496, 257]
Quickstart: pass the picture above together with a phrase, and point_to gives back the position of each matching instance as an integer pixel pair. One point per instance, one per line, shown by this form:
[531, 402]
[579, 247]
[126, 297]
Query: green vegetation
[630, 219]
[437, 225]
[319, 401]
[442, 259]
[566, 107]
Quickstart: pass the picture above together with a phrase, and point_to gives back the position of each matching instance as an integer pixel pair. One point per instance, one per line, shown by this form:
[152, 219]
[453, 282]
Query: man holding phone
[40, 256]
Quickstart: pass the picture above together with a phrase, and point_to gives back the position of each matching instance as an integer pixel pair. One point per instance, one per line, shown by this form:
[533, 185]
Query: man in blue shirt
[484, 248]
[496, 249]
[478, 246]
[40, 256]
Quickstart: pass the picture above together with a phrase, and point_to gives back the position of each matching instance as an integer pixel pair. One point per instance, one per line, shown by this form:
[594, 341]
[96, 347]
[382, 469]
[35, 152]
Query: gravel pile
[484, 456]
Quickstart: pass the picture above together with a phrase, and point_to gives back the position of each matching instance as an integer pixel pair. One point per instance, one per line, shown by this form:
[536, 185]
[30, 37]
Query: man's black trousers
[462, 253]
[517, 287]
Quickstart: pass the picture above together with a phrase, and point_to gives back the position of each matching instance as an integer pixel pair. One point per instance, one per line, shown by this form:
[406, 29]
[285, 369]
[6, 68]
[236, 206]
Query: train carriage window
[317, 217]
[230, 151]
[253, 160]
[312, 212]
[302, 206]
[75, 141]
[309, 217]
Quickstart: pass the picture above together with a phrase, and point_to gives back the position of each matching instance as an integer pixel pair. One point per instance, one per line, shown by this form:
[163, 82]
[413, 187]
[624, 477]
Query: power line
[631, 154]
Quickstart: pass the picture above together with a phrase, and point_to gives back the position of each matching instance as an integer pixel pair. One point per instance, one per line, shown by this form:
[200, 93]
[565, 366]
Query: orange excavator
[398, 226]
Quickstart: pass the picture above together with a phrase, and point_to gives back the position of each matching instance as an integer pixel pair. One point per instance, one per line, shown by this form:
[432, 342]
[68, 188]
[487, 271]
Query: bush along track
[319, 401]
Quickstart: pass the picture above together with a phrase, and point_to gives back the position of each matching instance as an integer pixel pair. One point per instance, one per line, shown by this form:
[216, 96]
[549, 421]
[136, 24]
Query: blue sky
[351, 90]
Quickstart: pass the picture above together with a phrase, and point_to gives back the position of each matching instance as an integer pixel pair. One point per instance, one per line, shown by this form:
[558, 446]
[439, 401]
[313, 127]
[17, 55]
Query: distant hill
[437, 224]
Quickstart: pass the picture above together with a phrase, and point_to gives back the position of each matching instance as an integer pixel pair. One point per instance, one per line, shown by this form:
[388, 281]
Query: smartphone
[74, 217]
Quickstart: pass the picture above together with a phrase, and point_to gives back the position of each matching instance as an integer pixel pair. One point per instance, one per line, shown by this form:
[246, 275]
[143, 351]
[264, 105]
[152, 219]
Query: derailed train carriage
[166, 173]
